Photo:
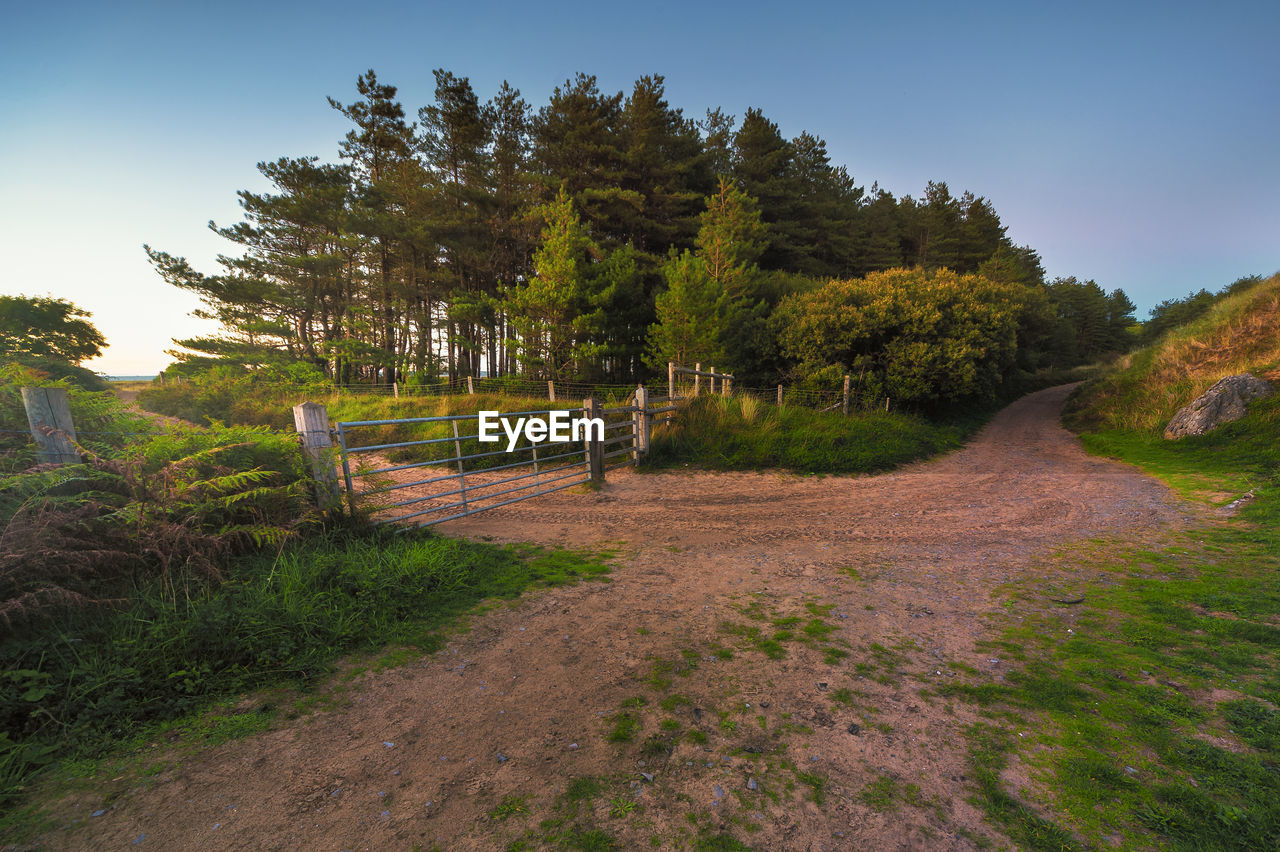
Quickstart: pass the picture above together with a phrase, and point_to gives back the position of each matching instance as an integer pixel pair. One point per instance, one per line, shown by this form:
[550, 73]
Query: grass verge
[1149, 714]
[743, 433]
[89, 679]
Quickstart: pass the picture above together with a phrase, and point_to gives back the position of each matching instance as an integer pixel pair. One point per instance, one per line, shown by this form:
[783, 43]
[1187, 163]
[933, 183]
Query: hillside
[1237, 335]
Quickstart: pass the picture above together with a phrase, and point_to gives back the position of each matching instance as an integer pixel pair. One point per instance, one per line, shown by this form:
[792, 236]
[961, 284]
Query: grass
[86, 681]
[1148, 711]
[1236, 335]
[740, 433]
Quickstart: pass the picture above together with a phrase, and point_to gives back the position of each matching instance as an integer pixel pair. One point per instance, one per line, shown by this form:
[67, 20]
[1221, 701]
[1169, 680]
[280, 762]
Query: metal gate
[427, 470]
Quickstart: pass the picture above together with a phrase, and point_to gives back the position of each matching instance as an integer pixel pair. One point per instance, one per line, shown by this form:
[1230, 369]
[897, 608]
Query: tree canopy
[45, 327]
[598, 235]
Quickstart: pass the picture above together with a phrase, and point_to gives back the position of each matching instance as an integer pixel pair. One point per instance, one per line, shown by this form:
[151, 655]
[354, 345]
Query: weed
[509, 806]
[622, 806]
[625, 727]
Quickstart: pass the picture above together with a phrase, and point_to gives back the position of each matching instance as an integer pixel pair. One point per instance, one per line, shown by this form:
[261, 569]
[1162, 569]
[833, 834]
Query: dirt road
[788, 630]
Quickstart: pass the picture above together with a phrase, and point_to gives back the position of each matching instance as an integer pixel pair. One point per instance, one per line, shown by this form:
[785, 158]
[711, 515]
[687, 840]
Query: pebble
[752, 785]
[502, 758]
[647, 776]
[395, 772]
[855, 728]
[382, 793]
[719, 791]
[99, 813]
[388, 745]
[573, 746]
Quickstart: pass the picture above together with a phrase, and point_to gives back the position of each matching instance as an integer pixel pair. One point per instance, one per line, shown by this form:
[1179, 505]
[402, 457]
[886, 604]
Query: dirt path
[896, 571]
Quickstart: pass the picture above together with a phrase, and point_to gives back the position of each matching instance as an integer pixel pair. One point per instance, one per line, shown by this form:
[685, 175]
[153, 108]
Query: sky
[1135, 144]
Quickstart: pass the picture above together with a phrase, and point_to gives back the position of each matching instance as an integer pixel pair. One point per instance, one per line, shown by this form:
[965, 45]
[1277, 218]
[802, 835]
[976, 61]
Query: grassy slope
[1148, 714]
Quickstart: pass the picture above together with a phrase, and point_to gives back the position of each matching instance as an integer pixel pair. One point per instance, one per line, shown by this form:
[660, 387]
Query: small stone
[854, 728]
[752, 785]
[141, 837]
[648, 776]
[395, 772]
[764, 705]
[1131, 770]
[502, 758]
[389, 745]
[822, 684]
[719, 791]
[386, 814]
[573, 746]
[99, 813]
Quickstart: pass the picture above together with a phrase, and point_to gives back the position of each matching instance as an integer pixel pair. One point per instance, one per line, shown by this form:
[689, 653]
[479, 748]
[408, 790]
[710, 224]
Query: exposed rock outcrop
[1227, 400]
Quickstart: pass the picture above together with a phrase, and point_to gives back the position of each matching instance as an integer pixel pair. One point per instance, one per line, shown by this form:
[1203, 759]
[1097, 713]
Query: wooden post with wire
[311, 419]
[845, 405]
[49, 416]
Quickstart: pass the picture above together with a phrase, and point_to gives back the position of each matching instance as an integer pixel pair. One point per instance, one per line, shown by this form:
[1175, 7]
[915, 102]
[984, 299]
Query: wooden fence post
[886, 403]
[471, 386]
[49, 417]
[551, 390]
[595, 449]
[671, 380]
[395, 389]
[779, 396]
[642, 422]
[726, 386]
[845, 407]
[697, 378]
[311, 419]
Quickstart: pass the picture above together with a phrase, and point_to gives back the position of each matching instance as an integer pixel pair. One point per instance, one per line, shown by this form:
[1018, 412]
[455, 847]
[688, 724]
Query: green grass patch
[1153, 703]
[85, 680]
[738, 433]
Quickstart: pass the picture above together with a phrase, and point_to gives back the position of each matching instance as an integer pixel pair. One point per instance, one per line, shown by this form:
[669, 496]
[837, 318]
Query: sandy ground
[521, 704]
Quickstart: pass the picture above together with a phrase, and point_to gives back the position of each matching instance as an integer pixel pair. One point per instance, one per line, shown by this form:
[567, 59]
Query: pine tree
[553, 339]
[379, 143]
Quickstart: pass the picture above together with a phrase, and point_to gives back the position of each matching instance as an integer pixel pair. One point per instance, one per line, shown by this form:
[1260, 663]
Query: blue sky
[1132, 143]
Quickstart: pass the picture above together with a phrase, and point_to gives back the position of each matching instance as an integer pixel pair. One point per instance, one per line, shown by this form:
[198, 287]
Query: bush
[914, 335]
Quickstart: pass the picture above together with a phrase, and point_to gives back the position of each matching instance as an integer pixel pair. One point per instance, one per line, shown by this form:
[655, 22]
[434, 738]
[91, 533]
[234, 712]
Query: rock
[1226, 401]
[502, 758]
[752, 785]
[648, 776]
[854, 728]
[719, 791]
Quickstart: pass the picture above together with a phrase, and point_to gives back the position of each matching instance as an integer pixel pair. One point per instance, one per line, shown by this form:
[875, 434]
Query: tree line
[596, 237]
